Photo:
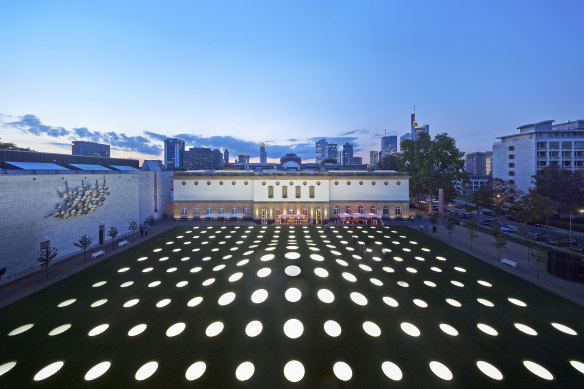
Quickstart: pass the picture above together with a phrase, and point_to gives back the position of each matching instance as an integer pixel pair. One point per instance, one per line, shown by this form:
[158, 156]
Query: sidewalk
[483, 248]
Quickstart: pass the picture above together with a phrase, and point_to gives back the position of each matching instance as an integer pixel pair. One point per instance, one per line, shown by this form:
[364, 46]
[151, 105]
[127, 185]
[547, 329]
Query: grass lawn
[408, 312]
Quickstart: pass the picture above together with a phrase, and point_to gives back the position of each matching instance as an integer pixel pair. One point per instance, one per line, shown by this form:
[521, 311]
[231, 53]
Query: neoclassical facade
[299, 196]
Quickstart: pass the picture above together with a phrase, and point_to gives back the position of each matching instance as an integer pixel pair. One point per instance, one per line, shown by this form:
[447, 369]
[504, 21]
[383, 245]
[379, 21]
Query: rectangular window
[566, 154]
[579, 154]
[511, 148]
[511, 164]
[234, 210]
[284, 192]
[397, 211]
[184, 212]
[579, 145]
[541, 154]
[554, 145]
[311, 192]
[270, 192]
[298, 192]
[567, 145]
[554, 154]
[348, 209]
[511, 173]
[566, 163]
[541, 145]
[511, 182]
[541, 163]
[197, 211]
[246, 211]
[209, 210]
[221, 210]
[511, 156]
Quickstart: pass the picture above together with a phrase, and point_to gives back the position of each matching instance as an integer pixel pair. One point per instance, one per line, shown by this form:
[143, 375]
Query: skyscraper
[263, 154]
[373, 158]
[414, 129]
[332, 152]
[388, 145]
[347, 154]
[174, 149]
[202, 158]
[321, 150]
[90, 149]
[226, 157]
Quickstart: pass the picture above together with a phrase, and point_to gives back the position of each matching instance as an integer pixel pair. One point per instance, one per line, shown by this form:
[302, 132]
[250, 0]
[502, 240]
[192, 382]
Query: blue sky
[232, 73]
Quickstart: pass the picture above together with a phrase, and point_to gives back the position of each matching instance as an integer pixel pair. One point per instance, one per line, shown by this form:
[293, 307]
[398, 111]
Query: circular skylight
[195, 371]
[343, 371]
[564, 329]
[319, 271]
[193, 302]
[253, 328]
[146, 371]
[48, 371]
[293, 295]
[98, 330]
[293, 328]
[538, 370]
[292, 255]
[448, 329]
[326, 296]
[358, 298]
[175, 329]
[332, 328]
[487, 329]
[214, 329]
[525, 329]
[371, 329]
[226, 298]
[294, 371]
[259, 296]
[390, 301]
[292, 270]
[59, 330]
[137, 330]
[441, 370]
[392, 371]
[244, 371]
[410, 329]
[20, 329]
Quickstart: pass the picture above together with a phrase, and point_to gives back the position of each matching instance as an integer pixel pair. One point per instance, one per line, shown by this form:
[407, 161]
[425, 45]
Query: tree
[329, 160]
[133, 227]
[504, 194]
[500, 238]
[46, 255]
[2, 272]
[388, 162]
[471, 229]
[112, 233]
[526, 239]
[434, 219]
[432, 164]
[549, 179]
[150, 220]
[83, 243]
[540, 254]
[12, 146]
[532, 206]
[451, 223]
[483, 197]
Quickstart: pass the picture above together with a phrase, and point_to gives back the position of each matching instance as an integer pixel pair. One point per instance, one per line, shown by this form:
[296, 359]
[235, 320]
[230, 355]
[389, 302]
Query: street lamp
[579, 211]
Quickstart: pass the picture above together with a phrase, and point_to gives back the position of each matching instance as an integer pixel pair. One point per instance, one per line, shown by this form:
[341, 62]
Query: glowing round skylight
[436, 269]
[48, 371]
[538, 370]
[575, 364]
[342, 262]
[371, 329]
[142, 259]
[243, 262]
[485, 302]
[98, 330]
[411, 270]
[175, 329]
[253, 328]
[398, 259]
[365, 267]
[267, 257]
[448, 329]
[358, 298]
[163, 259]
[342, 371]
[195, 371]
[564, 329]
[420, 259]
[326, 296]
[525, 329]
[487, 329]
[131, 303]
[154, 284]
[264, 272]
[390, 301]
[97, 370]
[376, 282]
[376, 259]
[214, 329]
[332, 328]
[430, 284]
[294, 371]
[420, 303]
[146, 370]
[219, 267]
[59, 330]
[293, 295]
[98, 284]
[403, 284]
[194, 301]
[123, 269]
[147, 270]
[410, 329]
[66, 303]
[244, 371]
[441, 370]
[484, 283]
[319, 271]
[316, 257]
[6, 367]
[292, 255]
[226, 298]
[392, 371]
[208, 282]
[259, 296]
[126, 284]
[137, 330]
[453, 302]
[20, 329]
[457, 283]
[293, 328]
[516, 302]
[235, 277]
[196, 269]
[388, 269]
[162, 303]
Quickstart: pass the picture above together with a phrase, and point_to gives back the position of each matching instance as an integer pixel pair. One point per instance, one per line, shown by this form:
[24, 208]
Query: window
[360, 209]
[291, 211]
[511, 164]
[278, 212]
[554, 145]
[305, 213]
[183, 212]
[220, 182]
[372, 182]
[336, 210]
[221, 210]
[511, 156]
[360, 182]
[298, 192]
[246, 211]
[233, 209]
[311, 191]
[184, 182]
[511, 148]
[566, 163]
[232, 182]
[348, 209]
[541, 163]
[209, 210]
[567, 145]
[541, 154]
[511, 182]
[541, 145]
[372, 210]
[291, 183]
[336, 183]
[197, 211]
[511, 173]
[566, 154]
[348, 182]
[554, 154]
[196, 182]
[385, 210]
[270, 192]
[397, 211]
[284, 192]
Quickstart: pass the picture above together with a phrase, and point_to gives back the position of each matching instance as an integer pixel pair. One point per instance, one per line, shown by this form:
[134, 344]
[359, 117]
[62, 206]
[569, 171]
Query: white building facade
[518, 157]
[314, 197]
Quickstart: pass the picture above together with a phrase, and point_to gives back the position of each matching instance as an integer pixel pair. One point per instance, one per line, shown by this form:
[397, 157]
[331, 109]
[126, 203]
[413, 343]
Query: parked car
[508, 228]
[487, 212]
[486, 222]
[542, 237]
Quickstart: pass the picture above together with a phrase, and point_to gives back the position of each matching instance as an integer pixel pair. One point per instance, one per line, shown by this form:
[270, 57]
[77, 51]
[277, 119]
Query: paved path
[483, 248]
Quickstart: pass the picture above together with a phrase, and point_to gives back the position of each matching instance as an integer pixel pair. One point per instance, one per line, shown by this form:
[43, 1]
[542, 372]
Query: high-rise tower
[263, 154]
[174, 149]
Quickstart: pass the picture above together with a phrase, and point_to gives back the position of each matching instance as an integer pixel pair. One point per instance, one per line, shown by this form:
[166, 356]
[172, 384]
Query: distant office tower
[332, 152]
[90, 149]
[243, 158]
[263, 154]
[226, 157]
[388, 145]
[321, 150]
[479, 163]
[356, 161]
[290, 157]
[202, 158]
[373, 158]
[174, 149]
[347, 154]
[414, 129]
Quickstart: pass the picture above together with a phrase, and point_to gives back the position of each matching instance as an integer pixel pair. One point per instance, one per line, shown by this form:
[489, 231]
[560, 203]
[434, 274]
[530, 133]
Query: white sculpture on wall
[81, 200]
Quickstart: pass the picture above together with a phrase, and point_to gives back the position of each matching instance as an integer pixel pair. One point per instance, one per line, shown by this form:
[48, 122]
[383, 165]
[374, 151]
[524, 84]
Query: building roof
[36, 166]
[121, 167]
[83, 166]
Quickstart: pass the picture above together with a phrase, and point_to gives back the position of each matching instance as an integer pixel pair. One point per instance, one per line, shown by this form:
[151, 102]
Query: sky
[231, 74]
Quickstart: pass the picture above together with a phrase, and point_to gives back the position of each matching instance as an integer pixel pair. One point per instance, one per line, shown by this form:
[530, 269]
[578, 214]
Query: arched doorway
[318, 216]
[264, 216]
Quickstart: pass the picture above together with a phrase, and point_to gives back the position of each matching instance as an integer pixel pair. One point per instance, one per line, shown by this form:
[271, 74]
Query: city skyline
[286, 75]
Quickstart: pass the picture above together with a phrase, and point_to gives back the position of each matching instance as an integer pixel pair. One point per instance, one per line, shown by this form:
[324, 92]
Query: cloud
[32, 125]
[156, 136]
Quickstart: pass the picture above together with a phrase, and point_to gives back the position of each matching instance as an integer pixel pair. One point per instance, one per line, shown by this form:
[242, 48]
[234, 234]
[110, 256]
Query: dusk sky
[234, 73]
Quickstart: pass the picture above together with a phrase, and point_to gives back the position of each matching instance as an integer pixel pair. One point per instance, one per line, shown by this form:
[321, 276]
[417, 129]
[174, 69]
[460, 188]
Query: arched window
[336, 210]
[233, 209]
[298, 192]
[397, 212]
[311, 191]
[209, 210]
[360, 209]
[348, 209]
[246, 211]
[385, 210]
[270, 192]
[197, 212]
[284, 192]
[183, 212]
[373, 210]
[221, 210]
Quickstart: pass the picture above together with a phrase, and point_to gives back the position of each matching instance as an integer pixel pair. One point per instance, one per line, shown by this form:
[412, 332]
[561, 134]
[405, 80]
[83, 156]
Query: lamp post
[579, 211]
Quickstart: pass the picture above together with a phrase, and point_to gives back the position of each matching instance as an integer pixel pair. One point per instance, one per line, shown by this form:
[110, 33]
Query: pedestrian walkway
[483, 248]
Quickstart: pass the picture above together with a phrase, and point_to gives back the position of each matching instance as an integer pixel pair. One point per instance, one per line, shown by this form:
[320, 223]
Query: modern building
[90, 149]
[415, 130]
[517, 157]
[263, 154]
[202, 158]
[226, 157]
[347, 154]
[65, 160]
[313, 197]
[373, 158]
[356, 161]
[479, 163]
[388, 145]
[174, 149]
[290, 157]
[332, 152]
[321, 150]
